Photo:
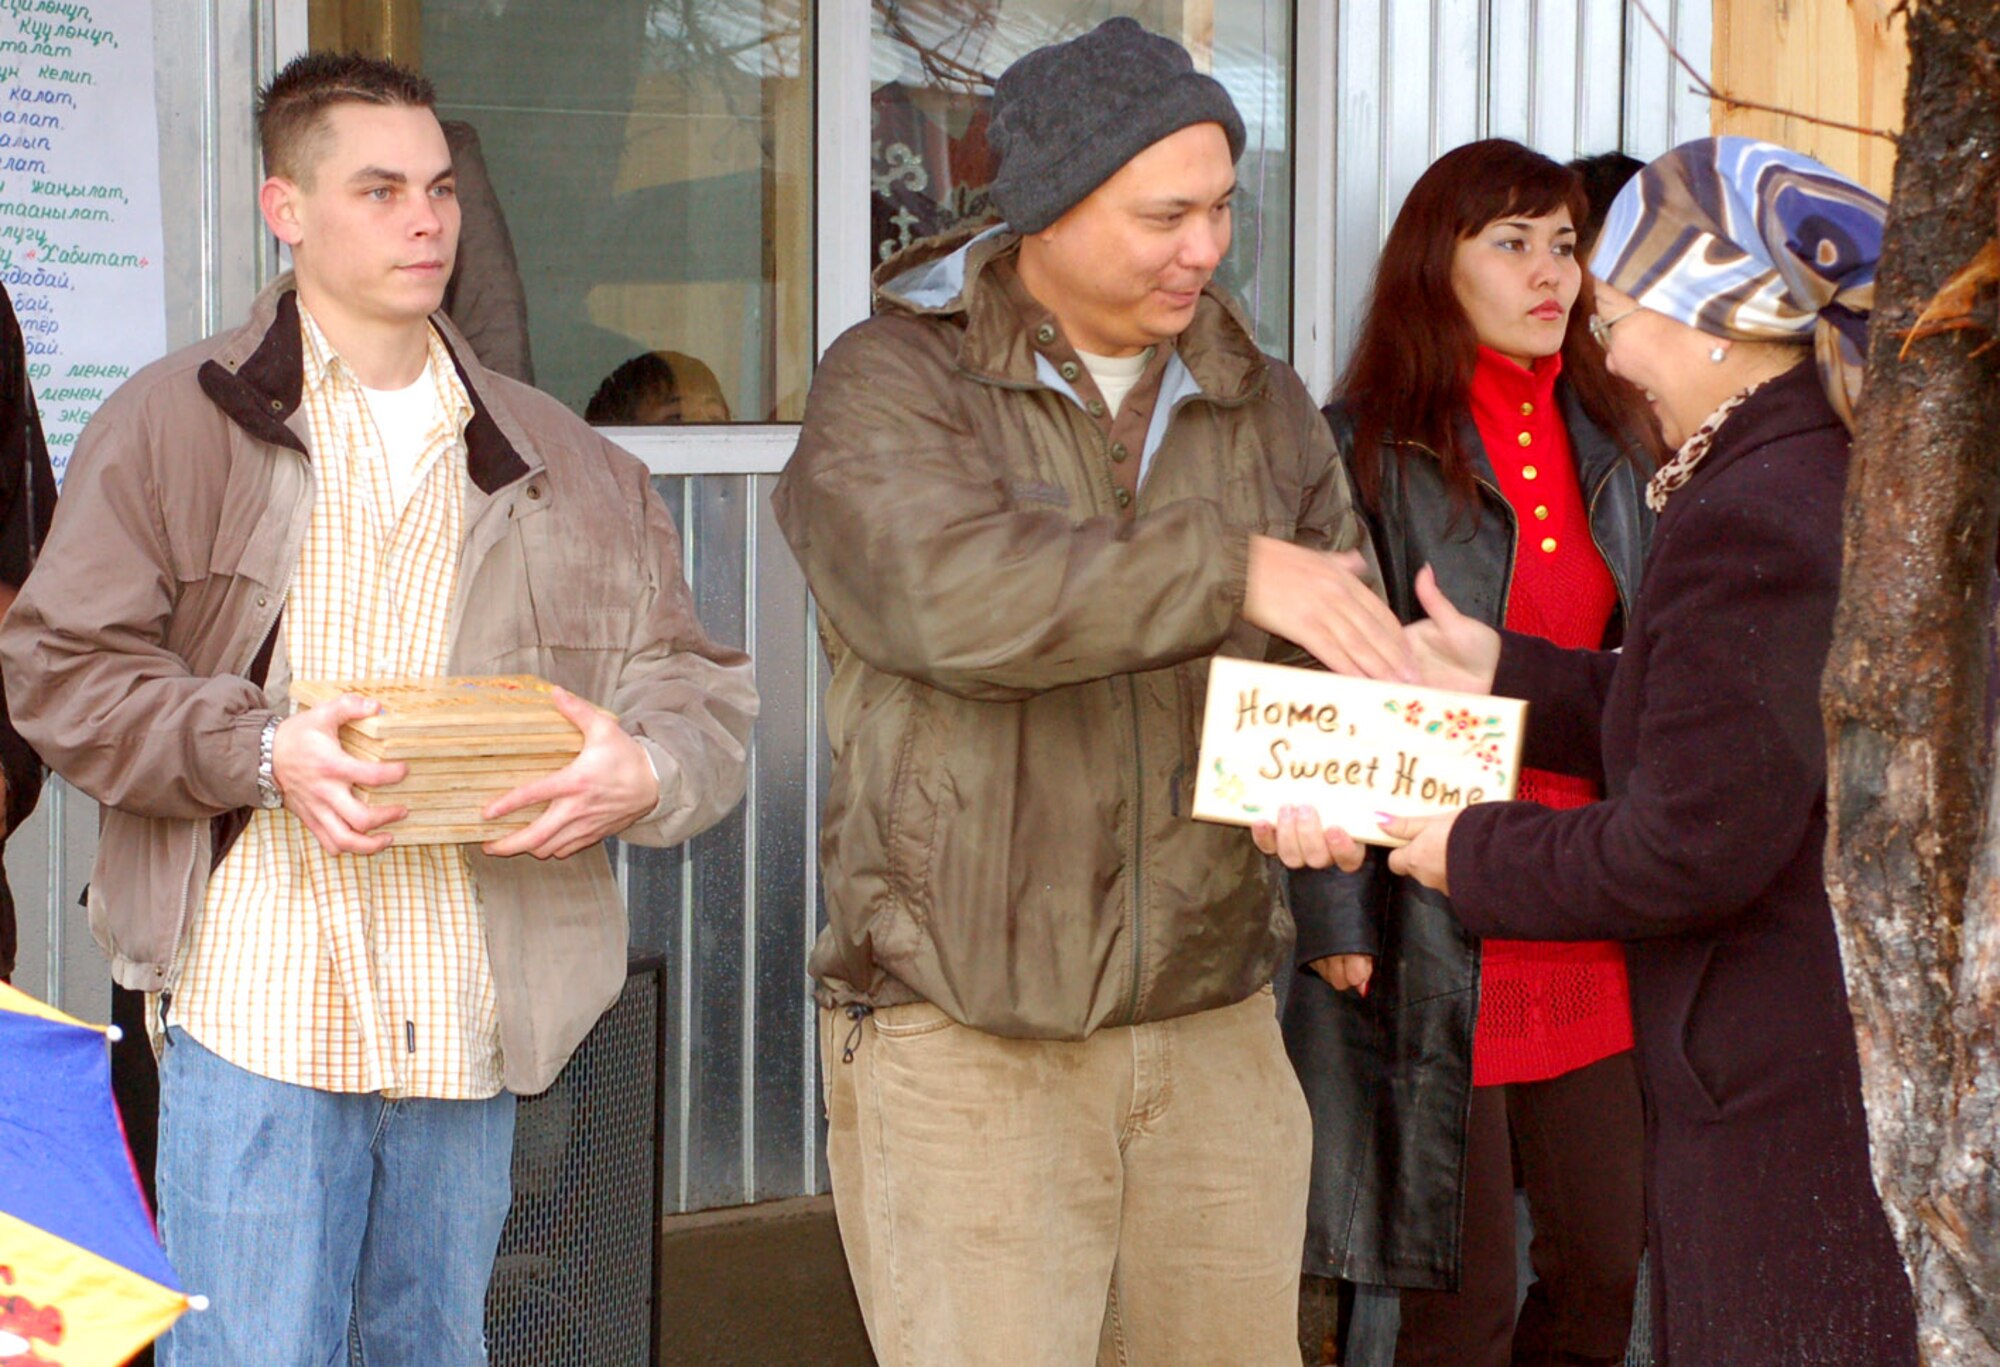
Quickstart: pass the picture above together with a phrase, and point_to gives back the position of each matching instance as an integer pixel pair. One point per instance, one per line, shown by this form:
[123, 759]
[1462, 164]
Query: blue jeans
[295, 1211]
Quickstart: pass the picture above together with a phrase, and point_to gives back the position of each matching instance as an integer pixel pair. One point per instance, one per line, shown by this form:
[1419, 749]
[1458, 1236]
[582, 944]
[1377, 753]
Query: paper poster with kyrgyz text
[80, 234]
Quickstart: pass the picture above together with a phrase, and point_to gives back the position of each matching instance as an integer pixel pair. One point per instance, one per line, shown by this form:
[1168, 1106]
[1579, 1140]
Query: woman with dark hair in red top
[1488, 441]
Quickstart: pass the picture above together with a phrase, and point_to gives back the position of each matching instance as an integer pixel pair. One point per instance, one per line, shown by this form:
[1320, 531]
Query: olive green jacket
[1019, 663]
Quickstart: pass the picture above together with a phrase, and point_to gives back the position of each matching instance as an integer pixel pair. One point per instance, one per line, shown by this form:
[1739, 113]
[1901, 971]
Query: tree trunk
[1913, 869]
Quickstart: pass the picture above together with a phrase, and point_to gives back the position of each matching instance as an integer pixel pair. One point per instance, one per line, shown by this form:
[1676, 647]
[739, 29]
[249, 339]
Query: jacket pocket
[580, 595]
[915, 793]
[1686, 1090]
[542, 596]
[1191, 695]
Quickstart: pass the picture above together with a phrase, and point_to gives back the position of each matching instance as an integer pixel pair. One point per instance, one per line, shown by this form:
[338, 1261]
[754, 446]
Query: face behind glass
[1124, 269]
[1517, 279]
[376, 219]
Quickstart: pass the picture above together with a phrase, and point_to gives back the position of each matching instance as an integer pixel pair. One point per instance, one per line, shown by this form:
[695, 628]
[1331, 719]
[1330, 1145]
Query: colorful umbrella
[83, 1282]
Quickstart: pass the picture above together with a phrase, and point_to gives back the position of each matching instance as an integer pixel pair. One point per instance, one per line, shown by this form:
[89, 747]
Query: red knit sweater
[1545, 1008]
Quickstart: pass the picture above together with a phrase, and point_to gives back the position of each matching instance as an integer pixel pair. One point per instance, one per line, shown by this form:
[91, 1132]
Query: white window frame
[841, 38]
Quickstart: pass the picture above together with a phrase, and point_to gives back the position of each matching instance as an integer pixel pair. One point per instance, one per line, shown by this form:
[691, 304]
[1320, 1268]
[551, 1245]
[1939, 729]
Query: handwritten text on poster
[80, 236]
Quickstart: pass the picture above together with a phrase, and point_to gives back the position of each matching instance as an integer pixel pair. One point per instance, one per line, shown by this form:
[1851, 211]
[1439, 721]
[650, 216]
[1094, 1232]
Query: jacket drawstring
[857, 1013]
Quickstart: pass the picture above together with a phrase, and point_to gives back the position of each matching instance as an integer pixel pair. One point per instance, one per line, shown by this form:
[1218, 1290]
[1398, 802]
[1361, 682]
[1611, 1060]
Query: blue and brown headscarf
[1744, 239]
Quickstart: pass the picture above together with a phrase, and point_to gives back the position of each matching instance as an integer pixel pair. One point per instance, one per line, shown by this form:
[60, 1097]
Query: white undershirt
[1116, 376]
[405, 419]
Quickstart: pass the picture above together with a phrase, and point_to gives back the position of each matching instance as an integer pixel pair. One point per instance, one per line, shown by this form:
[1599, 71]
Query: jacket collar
[1596, 452]
[1792, 405]
[949, 276]
[257, 378]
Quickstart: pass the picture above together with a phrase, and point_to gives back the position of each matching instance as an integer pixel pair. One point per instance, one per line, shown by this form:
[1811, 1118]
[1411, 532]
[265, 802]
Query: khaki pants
[1136, 1199]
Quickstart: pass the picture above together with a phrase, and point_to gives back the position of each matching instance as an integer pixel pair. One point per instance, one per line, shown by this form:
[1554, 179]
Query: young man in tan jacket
[338, 489]
[1033, 496]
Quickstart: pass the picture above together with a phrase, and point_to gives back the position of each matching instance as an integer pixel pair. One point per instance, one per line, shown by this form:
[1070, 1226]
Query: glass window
[933, 67]
[652, 161]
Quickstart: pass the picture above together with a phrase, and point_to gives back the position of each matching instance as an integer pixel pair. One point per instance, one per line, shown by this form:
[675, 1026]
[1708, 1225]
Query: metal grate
[573, 1282]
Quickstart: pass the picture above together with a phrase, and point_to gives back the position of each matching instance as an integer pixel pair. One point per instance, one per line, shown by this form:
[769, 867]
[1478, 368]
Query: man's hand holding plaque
[1323, 602]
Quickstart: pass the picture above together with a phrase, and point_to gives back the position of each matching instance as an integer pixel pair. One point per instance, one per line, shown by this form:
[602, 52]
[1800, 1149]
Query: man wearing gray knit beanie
[1032, 496]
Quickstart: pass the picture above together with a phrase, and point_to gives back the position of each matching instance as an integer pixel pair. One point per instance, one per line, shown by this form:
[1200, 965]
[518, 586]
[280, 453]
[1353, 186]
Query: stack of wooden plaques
[467, 741]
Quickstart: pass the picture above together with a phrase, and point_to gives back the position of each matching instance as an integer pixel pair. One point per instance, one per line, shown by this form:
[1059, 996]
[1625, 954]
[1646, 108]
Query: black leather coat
[1389, 1076]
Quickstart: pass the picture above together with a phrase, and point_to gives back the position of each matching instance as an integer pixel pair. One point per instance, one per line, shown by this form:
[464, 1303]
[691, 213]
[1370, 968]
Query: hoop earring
[1718, 354]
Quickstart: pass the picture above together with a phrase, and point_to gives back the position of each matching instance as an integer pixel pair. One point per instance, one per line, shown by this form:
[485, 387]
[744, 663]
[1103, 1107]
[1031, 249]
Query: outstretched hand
[317, 777]
[1319, 601]
[607, 787]
[1452, 651]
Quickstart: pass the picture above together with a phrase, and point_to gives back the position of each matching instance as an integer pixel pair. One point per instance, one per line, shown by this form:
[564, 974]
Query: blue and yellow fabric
[83, 1282]
[1746, 239]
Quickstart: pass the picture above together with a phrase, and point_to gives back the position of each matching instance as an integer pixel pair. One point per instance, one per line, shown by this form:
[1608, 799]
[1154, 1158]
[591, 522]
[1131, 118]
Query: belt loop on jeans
[856, 1012]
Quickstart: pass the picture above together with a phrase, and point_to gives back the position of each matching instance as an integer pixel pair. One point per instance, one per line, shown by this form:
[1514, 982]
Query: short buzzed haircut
[291, 110]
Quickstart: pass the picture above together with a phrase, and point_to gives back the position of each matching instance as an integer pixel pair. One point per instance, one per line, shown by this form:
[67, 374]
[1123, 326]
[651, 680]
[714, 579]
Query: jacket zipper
[1513, 544]
[1138, 805]
[1617, 575]
[1139, 788]
[1106, 485]
[1138, 857]
[173, 974]
[194, 830]
[1506, 591]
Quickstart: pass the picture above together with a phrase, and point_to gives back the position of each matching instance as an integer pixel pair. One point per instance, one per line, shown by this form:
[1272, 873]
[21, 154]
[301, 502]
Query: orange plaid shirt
[346, 973]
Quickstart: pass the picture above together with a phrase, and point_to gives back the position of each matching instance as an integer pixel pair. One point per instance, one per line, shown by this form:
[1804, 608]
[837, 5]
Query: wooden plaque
[1273, 736]
[467, 740]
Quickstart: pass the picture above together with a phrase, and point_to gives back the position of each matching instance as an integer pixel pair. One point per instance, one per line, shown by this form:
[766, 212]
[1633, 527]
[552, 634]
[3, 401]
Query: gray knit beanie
[1067, 116]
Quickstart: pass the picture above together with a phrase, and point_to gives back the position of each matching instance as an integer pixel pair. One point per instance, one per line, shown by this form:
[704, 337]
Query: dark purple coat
[1705, 856]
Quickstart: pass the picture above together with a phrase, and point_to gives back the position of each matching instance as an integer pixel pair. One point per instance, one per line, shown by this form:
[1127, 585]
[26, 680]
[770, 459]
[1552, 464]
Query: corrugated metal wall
[1416, 78]
[736, 910]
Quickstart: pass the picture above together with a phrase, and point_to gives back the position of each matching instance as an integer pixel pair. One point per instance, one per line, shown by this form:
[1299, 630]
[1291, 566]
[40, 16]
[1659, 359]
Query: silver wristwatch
[268, 795]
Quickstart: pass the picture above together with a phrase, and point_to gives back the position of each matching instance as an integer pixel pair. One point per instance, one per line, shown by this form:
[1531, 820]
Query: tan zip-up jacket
[1020, 661]
[136, 656]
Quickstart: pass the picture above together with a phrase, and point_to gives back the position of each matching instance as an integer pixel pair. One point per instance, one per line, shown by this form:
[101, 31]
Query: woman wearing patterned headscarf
[1736, 283]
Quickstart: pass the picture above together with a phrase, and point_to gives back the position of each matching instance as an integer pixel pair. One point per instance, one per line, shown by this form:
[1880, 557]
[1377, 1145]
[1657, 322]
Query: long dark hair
[1415, 355]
